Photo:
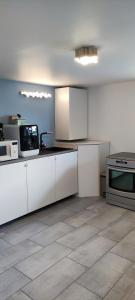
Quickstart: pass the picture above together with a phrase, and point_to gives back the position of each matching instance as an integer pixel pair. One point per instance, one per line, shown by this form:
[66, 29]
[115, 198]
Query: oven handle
[121, 169]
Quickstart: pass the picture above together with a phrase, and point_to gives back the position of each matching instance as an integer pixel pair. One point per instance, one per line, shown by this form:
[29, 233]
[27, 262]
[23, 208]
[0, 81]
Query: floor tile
[80, 218]
[2, 233]
[98, 206]
[77, 292]
[91, 251]
[78, 236]
[118, 230]
[19, 296]
[51, 283]
[112, 214]
[42, 260]
[24, 232]
[14, 254]
[130, 216]
[10, 282]
[77, 233]
[57, 215]
[51, 234]
[124, 289]
[3, 245]
[104, 274]
[17, 224]
[126, 247]
[77, 204]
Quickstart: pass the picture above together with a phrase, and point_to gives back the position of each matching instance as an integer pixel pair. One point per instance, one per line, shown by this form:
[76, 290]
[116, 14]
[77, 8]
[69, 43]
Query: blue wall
[37, 111]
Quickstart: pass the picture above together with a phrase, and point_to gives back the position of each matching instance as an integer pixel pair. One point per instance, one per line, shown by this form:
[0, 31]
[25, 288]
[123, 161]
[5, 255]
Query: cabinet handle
[25, 165]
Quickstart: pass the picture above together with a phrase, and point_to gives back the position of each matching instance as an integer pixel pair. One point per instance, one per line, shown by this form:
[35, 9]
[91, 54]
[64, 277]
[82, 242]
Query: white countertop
[81, 142]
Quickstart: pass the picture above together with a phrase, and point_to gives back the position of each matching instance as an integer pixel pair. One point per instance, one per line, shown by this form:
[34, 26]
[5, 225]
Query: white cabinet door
[66, 175]
[62, 113]
[41, 182]
[77, 114]
[70, 113]
[13, 191]
[88, 170]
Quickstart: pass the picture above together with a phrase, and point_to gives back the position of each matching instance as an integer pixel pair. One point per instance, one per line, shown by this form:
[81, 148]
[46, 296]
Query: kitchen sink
[52, 150]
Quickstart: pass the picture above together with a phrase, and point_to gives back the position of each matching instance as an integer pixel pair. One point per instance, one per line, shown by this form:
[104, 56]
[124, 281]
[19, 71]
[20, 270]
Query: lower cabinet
[13, 191]
[88, 170]
[30, 185]
[41, 182]
[66, 175]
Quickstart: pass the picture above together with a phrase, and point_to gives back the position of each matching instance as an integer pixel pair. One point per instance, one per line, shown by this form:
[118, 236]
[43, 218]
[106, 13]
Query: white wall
[111, 115]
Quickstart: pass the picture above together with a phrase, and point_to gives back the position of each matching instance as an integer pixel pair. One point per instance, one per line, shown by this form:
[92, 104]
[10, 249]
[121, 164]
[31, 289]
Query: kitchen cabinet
[91, 163]
[35, 183]
[66, 175]
[88, 170]
[40, 182]
[13, 191]
[70, 113]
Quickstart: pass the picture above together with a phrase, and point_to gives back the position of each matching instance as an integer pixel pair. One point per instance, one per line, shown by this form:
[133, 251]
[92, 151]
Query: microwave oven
[8, 150]
[27, 136]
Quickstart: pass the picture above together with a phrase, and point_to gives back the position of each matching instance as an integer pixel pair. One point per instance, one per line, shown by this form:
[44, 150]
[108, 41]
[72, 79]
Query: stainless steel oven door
[120, 181]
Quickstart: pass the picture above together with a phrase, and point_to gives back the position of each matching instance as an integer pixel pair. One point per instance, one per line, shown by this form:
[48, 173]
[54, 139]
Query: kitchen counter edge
[21, 159]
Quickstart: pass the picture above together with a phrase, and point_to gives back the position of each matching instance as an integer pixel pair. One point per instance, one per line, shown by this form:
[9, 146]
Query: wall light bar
[36, 94]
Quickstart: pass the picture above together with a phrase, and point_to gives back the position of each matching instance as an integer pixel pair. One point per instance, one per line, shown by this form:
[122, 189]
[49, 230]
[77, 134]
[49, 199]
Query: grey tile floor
[76, 249]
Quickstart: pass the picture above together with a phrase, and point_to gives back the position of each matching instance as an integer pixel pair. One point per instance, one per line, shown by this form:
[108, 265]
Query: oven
[120, 182]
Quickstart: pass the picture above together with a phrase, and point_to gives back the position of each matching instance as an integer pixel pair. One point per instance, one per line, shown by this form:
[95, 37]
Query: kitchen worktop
[45, 153]
[77, 143]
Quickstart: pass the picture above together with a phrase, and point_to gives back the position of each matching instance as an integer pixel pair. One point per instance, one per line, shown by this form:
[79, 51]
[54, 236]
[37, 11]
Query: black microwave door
[122, 180]
[29, 139]
[3, 150]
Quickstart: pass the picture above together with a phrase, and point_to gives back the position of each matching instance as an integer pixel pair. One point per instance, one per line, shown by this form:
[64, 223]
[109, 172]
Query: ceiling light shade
[86, 55]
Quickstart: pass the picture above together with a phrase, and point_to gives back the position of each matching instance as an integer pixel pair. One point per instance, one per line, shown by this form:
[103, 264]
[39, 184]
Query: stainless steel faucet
[42, 145]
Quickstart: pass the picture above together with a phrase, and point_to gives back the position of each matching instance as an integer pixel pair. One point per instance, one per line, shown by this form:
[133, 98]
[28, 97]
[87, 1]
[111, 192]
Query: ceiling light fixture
[36, 94]
[86, 55]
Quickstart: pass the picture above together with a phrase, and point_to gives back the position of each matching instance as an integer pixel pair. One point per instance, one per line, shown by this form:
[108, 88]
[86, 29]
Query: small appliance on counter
[120, 179]
[8, 150]
[17, 120]
[27, 136]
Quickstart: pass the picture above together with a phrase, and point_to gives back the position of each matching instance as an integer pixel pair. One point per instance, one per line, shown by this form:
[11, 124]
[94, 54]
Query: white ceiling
[38, 37]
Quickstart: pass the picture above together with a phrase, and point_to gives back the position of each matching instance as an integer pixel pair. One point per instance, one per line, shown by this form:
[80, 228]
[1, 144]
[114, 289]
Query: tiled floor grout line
[98, 214]
[108, 225]
[24, 294]
[12, 266]
[84, 242]
[30, 237]
[109, 251]
[31, 280]
[74, 281]
[66, 256]
[114, 283]
[131, 261]
[72, 250]
[26, 238]
[74, 228]
[91, 291]
[117, 281]
[99, 234]
[23, 275]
